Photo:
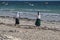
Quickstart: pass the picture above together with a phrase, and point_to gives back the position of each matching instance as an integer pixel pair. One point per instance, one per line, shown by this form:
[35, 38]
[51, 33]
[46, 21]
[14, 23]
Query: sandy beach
[27, 31]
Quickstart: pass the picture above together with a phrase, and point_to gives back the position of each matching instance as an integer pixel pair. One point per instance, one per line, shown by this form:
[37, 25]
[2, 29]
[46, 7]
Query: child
[38, 20]
[17, 19]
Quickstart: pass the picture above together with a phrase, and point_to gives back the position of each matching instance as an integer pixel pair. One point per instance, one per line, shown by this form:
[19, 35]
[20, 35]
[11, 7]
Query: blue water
[50, 10]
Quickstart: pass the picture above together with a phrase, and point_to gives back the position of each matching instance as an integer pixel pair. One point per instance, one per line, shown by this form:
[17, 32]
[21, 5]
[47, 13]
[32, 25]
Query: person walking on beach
[17, 18]
[38, 20]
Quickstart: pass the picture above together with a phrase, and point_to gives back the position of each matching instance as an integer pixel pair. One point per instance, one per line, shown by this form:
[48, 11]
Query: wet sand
[27, 31]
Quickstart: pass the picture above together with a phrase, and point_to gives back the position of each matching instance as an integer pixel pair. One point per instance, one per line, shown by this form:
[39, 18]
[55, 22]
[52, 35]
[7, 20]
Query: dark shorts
[38, 22]
[16, 21]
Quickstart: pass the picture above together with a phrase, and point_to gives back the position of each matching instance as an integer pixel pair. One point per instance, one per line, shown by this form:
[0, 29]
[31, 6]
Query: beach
[26, 30]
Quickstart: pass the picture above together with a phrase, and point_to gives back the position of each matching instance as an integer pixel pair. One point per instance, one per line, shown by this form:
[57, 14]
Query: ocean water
[50, 10]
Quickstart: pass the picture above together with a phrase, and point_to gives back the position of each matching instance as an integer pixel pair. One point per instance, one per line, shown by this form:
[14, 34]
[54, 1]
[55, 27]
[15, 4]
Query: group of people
[37, 23]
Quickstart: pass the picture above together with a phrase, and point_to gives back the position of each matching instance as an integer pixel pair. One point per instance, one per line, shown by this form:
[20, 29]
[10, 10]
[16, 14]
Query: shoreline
[28, 19]
[24, 22]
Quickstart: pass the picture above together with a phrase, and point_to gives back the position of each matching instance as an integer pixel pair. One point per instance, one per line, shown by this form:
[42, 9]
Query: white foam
[31, 4]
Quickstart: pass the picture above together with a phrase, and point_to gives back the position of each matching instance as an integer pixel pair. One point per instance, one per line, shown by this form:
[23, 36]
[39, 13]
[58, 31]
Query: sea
[49, 10]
